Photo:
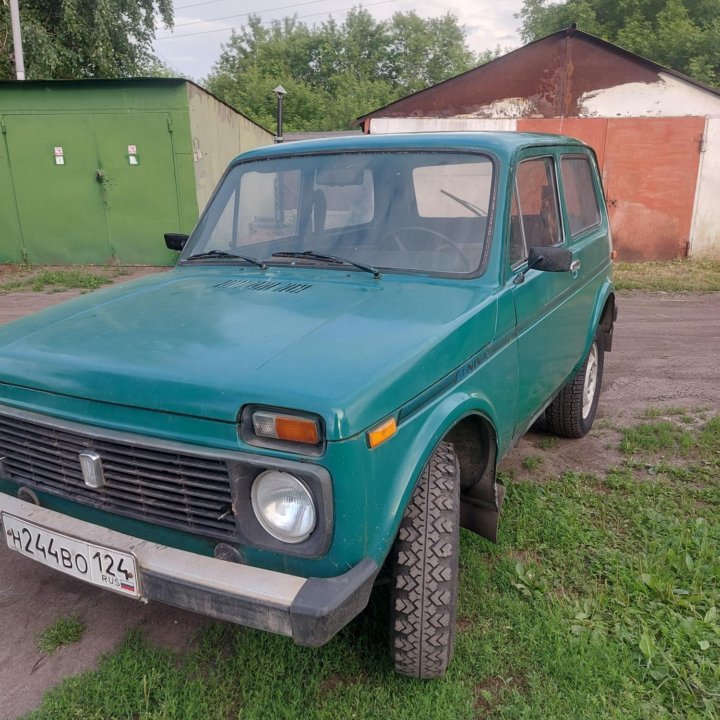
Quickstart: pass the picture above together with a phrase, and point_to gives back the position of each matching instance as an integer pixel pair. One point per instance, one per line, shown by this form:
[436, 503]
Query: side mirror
[547, 259]
[550, 259]
[175, 241]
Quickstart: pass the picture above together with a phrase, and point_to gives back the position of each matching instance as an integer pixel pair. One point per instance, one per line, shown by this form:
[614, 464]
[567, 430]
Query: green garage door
[94, 188]
[59, 205]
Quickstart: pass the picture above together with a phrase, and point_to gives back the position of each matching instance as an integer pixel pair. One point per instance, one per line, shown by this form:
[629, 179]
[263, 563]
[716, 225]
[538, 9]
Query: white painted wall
[668, 97]
[705, 230]
[379, 126]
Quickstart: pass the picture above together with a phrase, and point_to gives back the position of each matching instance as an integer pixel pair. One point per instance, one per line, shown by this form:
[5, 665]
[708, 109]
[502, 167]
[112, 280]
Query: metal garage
[656, 132]
[96, 171]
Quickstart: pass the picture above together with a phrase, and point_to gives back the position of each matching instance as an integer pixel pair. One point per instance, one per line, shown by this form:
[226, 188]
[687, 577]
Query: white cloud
[487, 24]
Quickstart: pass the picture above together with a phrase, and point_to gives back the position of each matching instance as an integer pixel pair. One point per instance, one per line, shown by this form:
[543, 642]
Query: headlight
[284, 506]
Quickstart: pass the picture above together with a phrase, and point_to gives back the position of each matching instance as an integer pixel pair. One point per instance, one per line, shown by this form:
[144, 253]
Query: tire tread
[424, 596]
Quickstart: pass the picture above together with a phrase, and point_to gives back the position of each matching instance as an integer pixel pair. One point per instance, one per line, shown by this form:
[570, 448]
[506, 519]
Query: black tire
[571, 413]
[425, 571]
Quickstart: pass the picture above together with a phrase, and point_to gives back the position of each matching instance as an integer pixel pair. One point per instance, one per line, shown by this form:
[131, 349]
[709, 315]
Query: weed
[65, 631]
[658, 436]
[67, 280]
[532, 462]
[620, 479]
[55, 281]
[549, 442]
[657, 412]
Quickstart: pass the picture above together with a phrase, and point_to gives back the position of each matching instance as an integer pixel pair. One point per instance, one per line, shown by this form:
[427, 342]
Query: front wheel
[572, 412]
[425, 571]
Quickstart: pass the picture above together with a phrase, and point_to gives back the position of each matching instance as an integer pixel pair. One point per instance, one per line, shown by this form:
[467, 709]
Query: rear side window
[580, 198]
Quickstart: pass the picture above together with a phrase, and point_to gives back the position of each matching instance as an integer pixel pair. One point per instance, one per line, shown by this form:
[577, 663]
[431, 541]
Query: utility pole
[17, 40]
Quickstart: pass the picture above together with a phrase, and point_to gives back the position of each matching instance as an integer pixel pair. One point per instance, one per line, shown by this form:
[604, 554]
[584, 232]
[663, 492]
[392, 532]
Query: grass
[54, 280]
[601, 601]
[532, 462]
[17, 278]
[64, 631]
[669, 276]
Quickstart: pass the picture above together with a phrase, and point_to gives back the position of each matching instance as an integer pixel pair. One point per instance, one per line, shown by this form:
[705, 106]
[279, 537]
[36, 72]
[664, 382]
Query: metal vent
[265, 286]
[178, 490]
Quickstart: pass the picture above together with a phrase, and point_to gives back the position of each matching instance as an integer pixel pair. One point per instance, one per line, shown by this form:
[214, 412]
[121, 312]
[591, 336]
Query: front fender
[418, 437]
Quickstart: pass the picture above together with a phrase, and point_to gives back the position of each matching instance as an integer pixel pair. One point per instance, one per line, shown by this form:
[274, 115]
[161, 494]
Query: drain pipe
[17, 40]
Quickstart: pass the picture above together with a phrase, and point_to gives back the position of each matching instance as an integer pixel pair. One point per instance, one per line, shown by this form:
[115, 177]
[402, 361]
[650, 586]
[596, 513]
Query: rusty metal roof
[548, 76]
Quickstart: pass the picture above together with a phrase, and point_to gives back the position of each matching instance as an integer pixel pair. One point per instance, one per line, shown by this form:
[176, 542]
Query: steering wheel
[405, 238]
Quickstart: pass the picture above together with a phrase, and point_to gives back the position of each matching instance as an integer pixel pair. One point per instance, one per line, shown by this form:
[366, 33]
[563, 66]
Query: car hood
[206, 341]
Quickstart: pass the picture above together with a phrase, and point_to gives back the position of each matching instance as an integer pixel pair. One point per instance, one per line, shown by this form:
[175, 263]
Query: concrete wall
[705, 234]
[218, 135]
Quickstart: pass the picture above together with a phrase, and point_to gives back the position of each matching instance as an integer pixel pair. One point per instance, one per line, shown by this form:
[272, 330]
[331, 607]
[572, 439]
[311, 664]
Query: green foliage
[681, 34]
[64, 631]
[84, 38]
[335, 73]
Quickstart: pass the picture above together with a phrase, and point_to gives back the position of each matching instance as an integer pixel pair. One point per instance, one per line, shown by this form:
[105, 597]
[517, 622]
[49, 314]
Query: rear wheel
[572, 412]
[425, 571]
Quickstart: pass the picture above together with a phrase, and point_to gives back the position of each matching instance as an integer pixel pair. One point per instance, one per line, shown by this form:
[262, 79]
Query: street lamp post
[279, 93]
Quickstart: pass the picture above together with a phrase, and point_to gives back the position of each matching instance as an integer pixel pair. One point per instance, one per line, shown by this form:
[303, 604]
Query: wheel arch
[604, 316]
[474, 441]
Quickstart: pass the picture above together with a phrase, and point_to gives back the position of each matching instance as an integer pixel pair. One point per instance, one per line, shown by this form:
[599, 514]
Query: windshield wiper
[222, 254]
[328, 258]
[466, 204]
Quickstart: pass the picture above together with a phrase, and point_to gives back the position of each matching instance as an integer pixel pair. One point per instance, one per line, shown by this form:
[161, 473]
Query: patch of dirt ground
[665, 354]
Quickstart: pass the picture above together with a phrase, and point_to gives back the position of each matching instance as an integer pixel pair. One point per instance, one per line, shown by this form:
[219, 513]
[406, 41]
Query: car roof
[501, 143]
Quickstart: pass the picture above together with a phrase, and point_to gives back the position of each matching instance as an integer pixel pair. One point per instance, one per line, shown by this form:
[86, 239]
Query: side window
[534, 215]
[580, 198]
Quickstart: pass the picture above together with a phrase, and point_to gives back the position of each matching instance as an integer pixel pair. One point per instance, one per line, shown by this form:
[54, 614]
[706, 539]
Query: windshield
[417, 211]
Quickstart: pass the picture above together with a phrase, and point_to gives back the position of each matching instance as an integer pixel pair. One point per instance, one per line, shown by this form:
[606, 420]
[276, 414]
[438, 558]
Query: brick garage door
[650, 169]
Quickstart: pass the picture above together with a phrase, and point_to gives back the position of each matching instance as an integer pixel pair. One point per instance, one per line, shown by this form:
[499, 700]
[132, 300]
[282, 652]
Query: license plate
[93, 563]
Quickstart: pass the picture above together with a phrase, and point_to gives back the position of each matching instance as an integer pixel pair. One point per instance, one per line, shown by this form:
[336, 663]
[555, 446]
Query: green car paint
[177, 356]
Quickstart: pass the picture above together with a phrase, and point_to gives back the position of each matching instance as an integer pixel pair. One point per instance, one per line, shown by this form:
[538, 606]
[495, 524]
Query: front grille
[161, 486]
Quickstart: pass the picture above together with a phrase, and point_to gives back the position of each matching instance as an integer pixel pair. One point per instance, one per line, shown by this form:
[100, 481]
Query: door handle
[574, 266]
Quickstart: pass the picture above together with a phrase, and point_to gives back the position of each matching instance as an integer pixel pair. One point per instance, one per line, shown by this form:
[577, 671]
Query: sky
[207, 24]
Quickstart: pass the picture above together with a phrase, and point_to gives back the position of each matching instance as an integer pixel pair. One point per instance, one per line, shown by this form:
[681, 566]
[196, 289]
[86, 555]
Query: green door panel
[60, 205]
[11, 249]
[139, 189]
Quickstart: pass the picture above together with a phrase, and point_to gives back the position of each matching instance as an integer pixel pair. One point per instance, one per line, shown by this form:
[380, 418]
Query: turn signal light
[286, 427]
[382, 432]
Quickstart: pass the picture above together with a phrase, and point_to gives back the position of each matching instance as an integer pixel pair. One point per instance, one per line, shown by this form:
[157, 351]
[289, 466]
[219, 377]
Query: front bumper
[310, 610]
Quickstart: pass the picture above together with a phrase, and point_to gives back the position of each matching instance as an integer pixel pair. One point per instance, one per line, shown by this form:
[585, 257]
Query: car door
[551, 327]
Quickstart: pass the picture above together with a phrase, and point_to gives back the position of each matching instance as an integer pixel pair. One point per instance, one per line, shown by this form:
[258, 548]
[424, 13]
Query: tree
[681, 34]
[84, 38]
[335, 72]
